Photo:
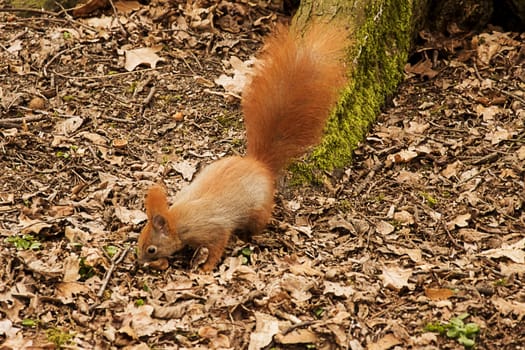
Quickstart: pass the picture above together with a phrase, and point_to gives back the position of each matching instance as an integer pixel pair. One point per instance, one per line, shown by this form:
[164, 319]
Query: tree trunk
[382, 32]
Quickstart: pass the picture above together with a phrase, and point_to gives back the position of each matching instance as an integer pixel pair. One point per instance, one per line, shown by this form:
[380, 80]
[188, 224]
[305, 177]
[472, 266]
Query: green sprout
[85, 271]
[431, 201]
[318, 312]
[465, 334]
[58, 337]
[25, 242]
[111, 250]
[246, 255]
[27, 322]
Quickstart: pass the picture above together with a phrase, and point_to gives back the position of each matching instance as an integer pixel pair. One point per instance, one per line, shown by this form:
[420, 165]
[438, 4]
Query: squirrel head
[159, 238]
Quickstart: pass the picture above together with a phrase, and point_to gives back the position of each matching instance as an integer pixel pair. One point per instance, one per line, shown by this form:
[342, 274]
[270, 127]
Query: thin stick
[114, 262]
[49, 13]
[31, 118]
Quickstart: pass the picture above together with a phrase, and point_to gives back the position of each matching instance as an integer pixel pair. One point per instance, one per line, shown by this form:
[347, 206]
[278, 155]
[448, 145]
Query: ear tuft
[156, 202]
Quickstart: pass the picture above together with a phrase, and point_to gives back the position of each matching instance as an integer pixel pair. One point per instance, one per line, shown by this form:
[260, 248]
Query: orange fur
[286, 104]
[295, 84]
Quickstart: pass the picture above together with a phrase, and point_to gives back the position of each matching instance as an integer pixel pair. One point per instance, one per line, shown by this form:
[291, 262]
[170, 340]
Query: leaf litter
[425, 225]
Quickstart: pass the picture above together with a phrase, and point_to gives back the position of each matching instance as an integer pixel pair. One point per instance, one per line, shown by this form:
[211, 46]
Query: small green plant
[344, 205]
[145, 287]
[132, 87]
[500, 282]
[58, 337]
[62, 154]
[66, 35]
[139, 302]
[319, 311]
[456, 328]
[28, 322]
[25, 242]
[85, 271]
[68, 98]
[246, 255]
[431, 201]
[111, 250]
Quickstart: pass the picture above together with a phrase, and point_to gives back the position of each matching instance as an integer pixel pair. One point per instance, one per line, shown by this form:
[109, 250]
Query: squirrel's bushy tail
[293, 88]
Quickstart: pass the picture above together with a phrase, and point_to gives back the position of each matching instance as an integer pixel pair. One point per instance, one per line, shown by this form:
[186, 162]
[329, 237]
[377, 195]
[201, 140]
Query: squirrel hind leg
[254, 225]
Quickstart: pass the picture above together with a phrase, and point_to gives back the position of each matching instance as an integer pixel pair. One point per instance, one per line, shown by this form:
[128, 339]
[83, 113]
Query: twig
[38, 111]
[508, 93]
[118, 120]
[108, 76]
[477, 72]
[147, 100]
[30, 10]
[9, 121]
[121, 27]
[48, 13]
[56, 56]
[117, 259]
[299, 325]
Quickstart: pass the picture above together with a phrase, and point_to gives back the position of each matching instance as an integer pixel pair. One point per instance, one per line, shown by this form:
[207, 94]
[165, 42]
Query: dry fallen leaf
[68, 126]
[266, 327]
[508, 307]
[297, 336]
[384, 228]
[459, 221]
[145, 55]
[438, 293]
[404, 217]
[240, 71]
[130, 216]
[404, 156]
[395, 277]
[515, 252]
[337, 289]
[385, 343]
[186, 168]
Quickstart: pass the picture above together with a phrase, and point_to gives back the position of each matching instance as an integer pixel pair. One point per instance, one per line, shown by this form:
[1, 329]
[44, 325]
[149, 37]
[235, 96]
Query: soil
[417, 244]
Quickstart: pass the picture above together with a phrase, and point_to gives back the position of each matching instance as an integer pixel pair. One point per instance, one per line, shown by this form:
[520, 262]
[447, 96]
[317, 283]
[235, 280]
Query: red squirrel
[294, 84]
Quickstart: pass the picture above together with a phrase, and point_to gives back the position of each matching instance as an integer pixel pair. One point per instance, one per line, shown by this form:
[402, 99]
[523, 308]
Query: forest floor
[423, 234]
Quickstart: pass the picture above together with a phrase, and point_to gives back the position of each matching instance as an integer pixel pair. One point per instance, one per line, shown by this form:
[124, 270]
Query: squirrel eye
[151, 249]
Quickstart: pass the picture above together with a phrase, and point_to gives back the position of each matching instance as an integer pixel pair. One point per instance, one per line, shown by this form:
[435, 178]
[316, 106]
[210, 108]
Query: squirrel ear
[156, 202]
[160, 224]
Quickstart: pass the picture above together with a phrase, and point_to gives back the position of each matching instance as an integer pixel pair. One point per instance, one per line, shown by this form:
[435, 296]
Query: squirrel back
[295, 83]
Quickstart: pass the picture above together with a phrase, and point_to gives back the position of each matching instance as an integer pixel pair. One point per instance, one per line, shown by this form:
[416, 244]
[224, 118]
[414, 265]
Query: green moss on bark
[382, 42]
